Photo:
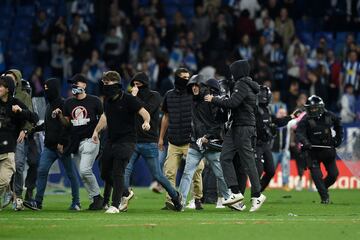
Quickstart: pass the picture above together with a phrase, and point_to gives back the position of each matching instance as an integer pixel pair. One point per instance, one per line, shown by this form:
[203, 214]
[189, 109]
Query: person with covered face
[56, 139]
[314, 132]
[120, 111]
[177, 122]
[13, 117]
[81, 114]
[146, 141]
[241, 136]
[206, 135]
[266, 127]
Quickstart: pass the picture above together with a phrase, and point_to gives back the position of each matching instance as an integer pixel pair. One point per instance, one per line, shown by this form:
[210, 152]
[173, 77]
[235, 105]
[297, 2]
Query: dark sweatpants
[115, 163]
[327, 157]
[240, 139]
[265, 164]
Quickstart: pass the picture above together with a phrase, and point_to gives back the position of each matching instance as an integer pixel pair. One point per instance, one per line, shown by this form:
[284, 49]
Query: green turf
[285, 215]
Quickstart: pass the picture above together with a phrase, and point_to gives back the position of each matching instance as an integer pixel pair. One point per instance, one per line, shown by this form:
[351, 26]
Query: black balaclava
[53, 91]
[111, 91]
[144, 89]
[180, 83]
[240, 69]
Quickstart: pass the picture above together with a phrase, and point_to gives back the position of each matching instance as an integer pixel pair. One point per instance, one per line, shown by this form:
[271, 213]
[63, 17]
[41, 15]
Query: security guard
[266, 126]
[314, 132]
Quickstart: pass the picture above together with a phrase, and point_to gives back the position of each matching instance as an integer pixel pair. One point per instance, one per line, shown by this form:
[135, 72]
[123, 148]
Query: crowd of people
[135, 93]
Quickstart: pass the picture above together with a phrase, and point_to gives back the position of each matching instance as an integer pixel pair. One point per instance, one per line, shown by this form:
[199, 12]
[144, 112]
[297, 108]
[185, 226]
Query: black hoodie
[55, 132]
[243, 99]
[151, 101]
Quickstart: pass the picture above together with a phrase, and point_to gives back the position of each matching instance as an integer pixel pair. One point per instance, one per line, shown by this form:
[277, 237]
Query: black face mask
[51, 94]
[111, 90]
[77, 90]
[180, 83]
[143, 92]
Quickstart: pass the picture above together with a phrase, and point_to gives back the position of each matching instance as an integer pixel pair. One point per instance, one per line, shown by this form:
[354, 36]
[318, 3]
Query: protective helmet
[314, 106]
[264, 96]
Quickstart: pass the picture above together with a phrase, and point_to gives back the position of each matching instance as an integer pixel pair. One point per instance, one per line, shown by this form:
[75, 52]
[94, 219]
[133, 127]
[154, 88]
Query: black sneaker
[198, 204]
[33, 205]
[166, 208]
[97, 203]
[325, 201]
[177, 203]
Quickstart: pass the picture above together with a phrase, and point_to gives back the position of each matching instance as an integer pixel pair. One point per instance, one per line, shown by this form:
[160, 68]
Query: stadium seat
[307, 38]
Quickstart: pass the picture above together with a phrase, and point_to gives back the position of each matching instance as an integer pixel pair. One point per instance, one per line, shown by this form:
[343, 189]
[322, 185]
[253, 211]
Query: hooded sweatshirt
[151, 101]
[20, 94]
[243, 100]
[11, 123]
[55, 132]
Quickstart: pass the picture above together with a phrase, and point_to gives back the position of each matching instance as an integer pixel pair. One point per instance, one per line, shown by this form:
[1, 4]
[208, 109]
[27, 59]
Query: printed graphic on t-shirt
[79, 116]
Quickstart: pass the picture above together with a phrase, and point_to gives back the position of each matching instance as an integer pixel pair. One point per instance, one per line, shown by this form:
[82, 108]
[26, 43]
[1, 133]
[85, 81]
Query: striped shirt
[351, 71]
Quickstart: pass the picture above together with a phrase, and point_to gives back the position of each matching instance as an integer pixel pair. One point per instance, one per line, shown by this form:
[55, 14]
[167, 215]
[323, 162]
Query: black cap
[77, 78]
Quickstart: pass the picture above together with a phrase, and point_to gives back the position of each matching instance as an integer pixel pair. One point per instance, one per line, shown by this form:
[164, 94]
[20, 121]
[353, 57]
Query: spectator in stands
[347, 102]
[259, 21]
[250, 5]
[155, 9]
[262, 70]
[57, 56]
[93, 69]
[245, 50]
[40, 38]
[351, 70]
[276, 103]
[334, 78]
[317, 80]
[84, 8]
[277, 63]
[273, 7]
[201, 25]
[284, 26]
[113, 47]
[296, 59]
[244, 25]
[164, 34]
[292, 95]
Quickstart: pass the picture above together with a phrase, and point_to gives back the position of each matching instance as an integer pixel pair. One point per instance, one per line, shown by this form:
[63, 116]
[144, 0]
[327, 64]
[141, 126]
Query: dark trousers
[115, 163]
[265, 164]
[240, 140]
[106, 171]
[327, 157]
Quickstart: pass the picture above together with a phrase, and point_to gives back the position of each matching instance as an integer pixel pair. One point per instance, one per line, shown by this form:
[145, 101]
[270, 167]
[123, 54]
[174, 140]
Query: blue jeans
[149, 151]
[283, 158]
[193, 159]
[48, 157]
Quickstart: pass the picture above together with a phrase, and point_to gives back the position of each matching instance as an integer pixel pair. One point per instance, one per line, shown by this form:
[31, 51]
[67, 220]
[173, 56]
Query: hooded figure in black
[56, 140]
[13, 116]
[242, 135]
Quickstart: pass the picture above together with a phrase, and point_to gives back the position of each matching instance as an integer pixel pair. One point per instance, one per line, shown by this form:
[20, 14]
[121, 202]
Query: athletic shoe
[177, 202]
[155, 187]
[191, 204]
[234, 198]
[325, 201]
[299, 185]
[33, 205]
[75, 207]
[239, 206]
[19, 204]
[112, 209]
[106, 206]
[198, 204]
[97, 203]
[125, 202]
[219, 203]
[28, 194]
[286, 188]
[257, 202]
[7, 198]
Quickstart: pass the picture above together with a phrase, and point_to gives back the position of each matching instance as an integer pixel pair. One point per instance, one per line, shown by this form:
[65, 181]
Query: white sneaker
[112, 209]
[299, 185]
[234, 198]
[257, 202]
[19, 204]
[125, 202]
[219, 203]
[106, 206]
[239, 206]
[191, 204]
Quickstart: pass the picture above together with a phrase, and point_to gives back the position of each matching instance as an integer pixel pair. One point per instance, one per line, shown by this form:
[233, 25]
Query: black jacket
[266, 125]
[242, 102]
[207, 120]
[12, 123]
[177, 103]
[317, 131]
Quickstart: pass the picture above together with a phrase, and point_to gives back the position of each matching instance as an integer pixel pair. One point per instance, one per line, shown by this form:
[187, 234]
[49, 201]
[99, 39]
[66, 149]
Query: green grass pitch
[285, 215]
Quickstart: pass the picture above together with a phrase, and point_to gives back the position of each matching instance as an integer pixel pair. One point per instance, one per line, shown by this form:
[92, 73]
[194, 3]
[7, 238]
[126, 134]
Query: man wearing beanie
[13, 114]
[146, 144]
[56, 138]
[81, 113]
[241, 136]
[177, 122]
[22, 141]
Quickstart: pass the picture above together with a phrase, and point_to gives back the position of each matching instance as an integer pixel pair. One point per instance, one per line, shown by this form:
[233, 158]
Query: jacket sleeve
[281, 122]
[152, 105]
[338, 129]
[301, 135]
[27, 115]
[240, 92]
[213, 131]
